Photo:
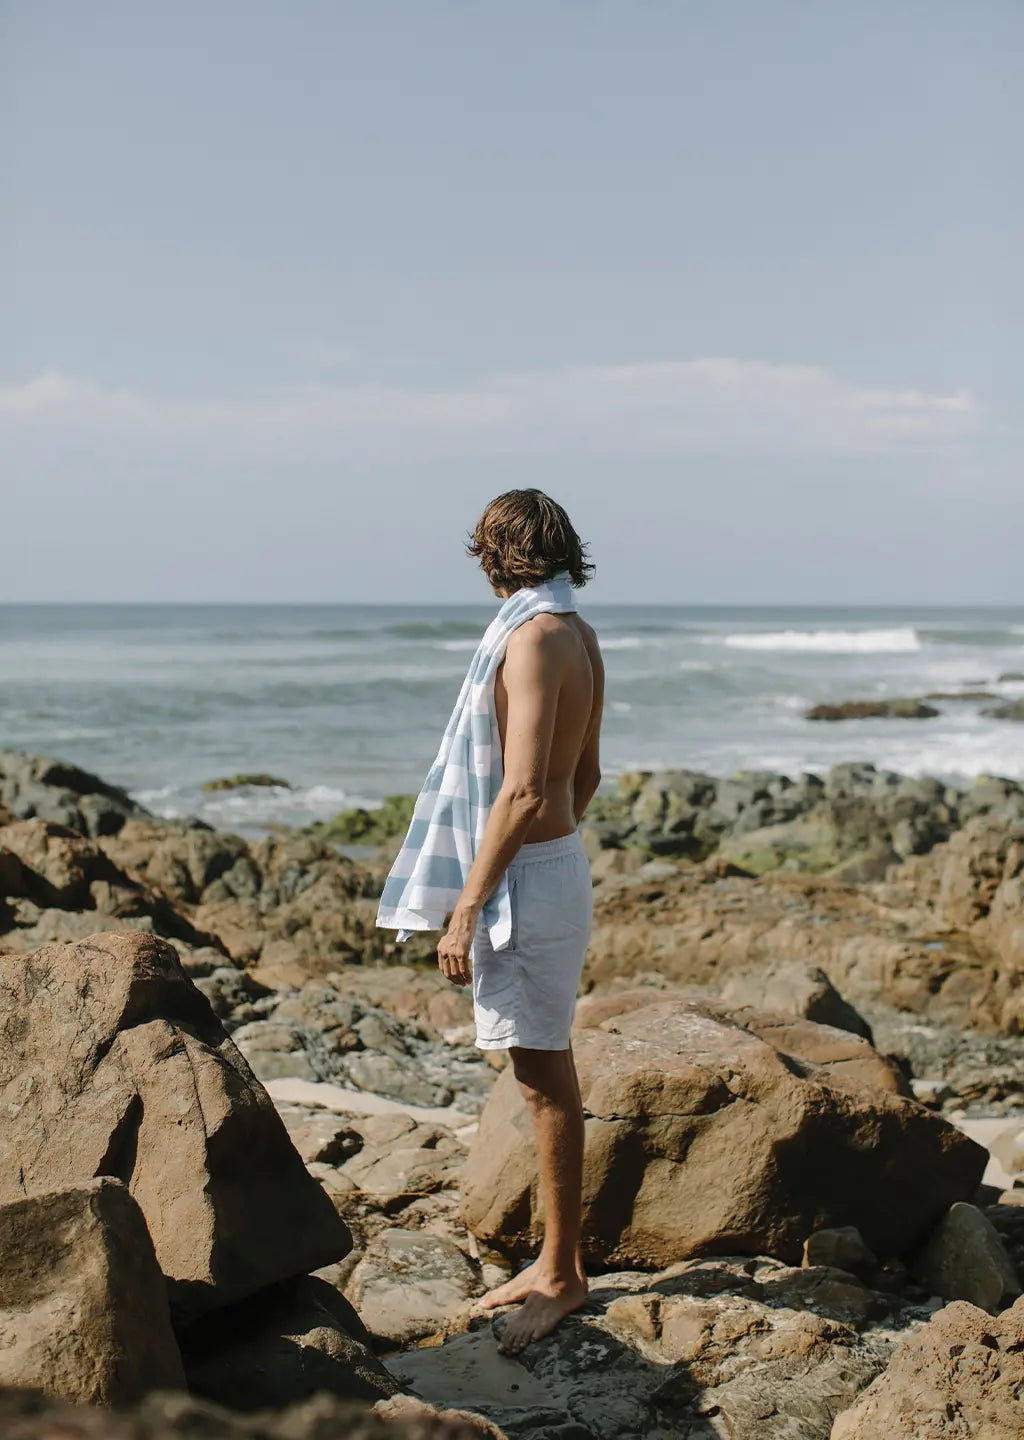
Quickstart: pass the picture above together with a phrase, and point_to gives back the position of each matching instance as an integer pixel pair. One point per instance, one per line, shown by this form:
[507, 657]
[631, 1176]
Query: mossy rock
[238, 782]
[808, 845]
[368, 827]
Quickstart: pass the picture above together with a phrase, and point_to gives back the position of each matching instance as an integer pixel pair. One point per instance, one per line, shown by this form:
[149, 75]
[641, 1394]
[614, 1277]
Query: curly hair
[524, 538]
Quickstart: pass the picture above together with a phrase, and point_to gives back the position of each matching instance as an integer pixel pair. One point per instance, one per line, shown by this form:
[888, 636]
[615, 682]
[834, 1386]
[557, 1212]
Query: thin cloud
[716, 405]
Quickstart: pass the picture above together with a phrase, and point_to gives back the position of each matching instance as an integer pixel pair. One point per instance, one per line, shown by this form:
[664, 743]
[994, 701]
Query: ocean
[347, 702]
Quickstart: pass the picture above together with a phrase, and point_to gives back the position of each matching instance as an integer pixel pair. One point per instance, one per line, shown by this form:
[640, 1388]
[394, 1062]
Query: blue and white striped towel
[452, 808]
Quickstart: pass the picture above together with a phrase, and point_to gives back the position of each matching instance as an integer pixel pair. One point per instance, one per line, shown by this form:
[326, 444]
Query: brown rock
[960, 1375]
[83, 1305]
[965, 1259]
[718, 1131]
[112, 1063]
[796, 989]
[284, 1345]
[842, 1248]
[895, 943]
[65, 877]
[169, 1416]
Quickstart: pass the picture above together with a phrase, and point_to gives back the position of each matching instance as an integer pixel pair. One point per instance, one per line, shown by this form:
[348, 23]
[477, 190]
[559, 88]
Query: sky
[288, 291]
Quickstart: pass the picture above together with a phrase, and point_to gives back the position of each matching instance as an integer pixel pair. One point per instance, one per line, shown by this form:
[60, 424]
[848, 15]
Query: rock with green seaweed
[368, 827]
[238, 782]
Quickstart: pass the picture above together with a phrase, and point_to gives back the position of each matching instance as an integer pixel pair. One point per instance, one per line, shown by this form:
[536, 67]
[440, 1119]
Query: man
[548, 698]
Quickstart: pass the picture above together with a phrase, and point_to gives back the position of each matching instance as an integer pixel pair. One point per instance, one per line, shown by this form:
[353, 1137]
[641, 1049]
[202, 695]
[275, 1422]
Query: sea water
[347, 703]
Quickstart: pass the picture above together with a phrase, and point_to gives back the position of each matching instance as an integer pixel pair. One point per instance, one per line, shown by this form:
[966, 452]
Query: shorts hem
[515, 1042]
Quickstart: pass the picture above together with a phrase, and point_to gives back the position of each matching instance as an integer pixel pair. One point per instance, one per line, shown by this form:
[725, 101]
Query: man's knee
[545, 1076]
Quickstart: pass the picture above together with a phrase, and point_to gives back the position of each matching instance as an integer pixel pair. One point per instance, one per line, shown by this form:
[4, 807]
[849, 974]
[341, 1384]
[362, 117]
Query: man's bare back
[570, 662]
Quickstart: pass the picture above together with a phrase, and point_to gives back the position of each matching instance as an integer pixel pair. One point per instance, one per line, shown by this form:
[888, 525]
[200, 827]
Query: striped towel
[452, 808]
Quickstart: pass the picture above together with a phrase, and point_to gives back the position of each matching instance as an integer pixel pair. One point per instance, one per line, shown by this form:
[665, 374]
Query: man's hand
[453, 952]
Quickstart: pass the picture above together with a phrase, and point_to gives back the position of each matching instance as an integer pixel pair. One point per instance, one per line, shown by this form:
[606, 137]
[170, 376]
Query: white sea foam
[832, 642]
[458, 644]
[624, 642]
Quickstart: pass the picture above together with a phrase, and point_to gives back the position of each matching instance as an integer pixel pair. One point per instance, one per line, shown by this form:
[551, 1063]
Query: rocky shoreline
[777, 1209]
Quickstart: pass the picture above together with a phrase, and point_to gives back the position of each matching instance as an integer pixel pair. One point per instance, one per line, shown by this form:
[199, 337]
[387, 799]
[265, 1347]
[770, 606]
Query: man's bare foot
[513, 1290]
[546, 1304]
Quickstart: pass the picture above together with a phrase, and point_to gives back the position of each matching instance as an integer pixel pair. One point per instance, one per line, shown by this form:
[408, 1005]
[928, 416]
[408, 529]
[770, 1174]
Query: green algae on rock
[238, 782]
[368, 827]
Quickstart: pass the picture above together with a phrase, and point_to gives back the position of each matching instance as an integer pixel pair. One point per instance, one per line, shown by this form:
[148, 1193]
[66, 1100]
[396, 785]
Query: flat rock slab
[361, 1102]
[83, 1305]
[112, 1063]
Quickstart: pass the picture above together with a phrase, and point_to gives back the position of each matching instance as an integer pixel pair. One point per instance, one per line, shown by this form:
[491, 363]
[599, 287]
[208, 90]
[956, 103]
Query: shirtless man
[548, 698]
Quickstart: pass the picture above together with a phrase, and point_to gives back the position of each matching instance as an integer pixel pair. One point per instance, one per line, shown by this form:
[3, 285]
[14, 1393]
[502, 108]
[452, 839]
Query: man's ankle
[560, 1270]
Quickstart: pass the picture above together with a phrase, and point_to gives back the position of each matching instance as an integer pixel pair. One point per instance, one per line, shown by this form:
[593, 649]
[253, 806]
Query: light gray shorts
[525, 996]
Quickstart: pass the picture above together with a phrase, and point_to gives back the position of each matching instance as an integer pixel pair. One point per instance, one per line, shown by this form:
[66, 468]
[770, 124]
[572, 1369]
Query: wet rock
[284, 1345]
[960, 1375]
[716, 1130]
[965, 1259]
[83, 1305]
[125, 1071]
[410, 1283]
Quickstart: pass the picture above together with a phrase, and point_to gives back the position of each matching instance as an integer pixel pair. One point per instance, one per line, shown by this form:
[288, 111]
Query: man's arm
[588, 769]
[532, 683]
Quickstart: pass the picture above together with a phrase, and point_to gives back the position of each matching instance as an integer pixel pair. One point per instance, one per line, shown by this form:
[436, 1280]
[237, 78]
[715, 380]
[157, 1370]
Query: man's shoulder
[546, 642]
[540, 636]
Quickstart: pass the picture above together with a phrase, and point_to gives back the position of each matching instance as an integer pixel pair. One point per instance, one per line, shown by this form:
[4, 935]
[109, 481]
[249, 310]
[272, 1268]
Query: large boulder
[961, 1375]
[718, 1131]
[83, 1305]
[112, 1063]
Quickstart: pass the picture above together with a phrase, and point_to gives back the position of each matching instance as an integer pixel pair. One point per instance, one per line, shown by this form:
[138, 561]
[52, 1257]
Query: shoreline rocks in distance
[1009, 710]
[975, 695]
[899, 709]
[240, 782]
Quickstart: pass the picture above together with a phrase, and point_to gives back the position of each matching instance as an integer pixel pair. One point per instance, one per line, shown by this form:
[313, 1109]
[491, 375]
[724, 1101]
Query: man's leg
[555, 1283]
